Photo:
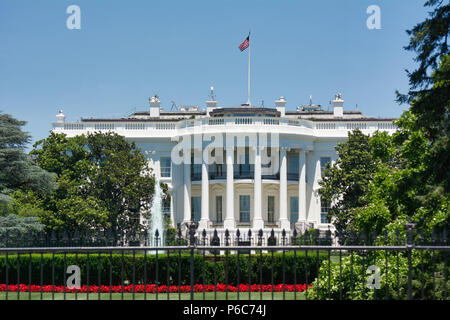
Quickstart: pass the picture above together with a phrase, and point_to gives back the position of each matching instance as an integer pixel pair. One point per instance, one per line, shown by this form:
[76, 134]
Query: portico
[254, 200]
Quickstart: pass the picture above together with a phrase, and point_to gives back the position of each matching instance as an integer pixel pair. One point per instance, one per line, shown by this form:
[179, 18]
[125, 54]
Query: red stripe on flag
[244, 45]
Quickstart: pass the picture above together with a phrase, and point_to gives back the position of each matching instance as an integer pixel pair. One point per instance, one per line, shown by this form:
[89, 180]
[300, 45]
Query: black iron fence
[198, 265]
[243, 235]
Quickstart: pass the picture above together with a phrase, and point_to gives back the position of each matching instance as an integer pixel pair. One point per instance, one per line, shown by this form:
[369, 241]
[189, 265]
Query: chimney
[338, 106]
[60, 117]
[211, 104]
[281, 106]
[155, 106]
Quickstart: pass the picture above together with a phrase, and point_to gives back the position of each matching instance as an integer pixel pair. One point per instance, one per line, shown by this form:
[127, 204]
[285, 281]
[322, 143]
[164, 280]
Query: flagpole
[248, 89]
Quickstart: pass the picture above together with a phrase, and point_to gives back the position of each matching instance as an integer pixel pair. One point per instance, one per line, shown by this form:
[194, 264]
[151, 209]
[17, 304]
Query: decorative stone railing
[318, 126]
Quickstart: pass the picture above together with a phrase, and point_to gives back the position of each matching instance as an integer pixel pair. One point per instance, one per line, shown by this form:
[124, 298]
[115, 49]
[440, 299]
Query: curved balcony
[242, 174]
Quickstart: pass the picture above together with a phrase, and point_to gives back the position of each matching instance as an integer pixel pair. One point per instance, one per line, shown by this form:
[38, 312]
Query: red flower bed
[152, 288]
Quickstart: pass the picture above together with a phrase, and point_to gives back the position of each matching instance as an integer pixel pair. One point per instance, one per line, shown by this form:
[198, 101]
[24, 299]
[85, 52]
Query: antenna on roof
[174, 106]
[356, 106]
[310, 99]
[211, 94]
[262, 104]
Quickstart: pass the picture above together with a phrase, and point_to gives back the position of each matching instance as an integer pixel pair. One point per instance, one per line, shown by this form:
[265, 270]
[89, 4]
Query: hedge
[306, 268]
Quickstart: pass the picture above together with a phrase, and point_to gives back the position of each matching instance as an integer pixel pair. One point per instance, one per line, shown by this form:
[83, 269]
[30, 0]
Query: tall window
[270, 208]
[165, 164]
[196, 169]
[219, 208]
[292, 164]
[196, 207]
[216, 168]
[244, 208]
[244, 168]
[294, 209]
[324, 208]
[323, 162]
[269, 155]
[219, 170]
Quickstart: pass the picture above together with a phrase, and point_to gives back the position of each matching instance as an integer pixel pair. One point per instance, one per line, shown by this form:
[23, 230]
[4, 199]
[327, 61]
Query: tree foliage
[380, 182]
[17, 171]
[347, 182]
[385, 181]
[104, 182]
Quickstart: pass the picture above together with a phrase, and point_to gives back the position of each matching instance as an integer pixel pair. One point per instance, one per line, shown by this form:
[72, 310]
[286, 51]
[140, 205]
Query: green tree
[17, 171]
[103, 182]
[346, 183]
[407, 175]
[429, 94]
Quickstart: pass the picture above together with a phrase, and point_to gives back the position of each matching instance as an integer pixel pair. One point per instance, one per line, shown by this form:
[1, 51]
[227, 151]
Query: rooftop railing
[163, 125]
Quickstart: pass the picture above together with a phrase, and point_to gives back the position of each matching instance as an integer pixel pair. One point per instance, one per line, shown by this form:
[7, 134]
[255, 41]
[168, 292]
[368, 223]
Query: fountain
[157, 218]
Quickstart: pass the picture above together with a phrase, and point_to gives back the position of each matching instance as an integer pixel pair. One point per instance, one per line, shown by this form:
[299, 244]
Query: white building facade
[269, 180]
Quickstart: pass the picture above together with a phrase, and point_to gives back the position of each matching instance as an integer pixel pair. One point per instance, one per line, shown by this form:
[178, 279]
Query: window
[323, 162]
[244, 208]
[196, 207]
[324, 208]
[292, 168]
[219, 170]
[293, 164]
[269, 155]
[196, 170]
[244, 168]
[294, 209]
[270, 209]
[165, 164]
[219, 209]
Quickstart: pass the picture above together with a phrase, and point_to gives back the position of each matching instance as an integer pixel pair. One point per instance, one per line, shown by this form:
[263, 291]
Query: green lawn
[152, 296]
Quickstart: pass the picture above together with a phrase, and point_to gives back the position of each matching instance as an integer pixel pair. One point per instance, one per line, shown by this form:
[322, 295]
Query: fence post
[409, 247]
[192, 227]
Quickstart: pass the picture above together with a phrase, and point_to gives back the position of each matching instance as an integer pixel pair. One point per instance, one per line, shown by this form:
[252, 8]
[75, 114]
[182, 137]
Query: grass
[151, 296]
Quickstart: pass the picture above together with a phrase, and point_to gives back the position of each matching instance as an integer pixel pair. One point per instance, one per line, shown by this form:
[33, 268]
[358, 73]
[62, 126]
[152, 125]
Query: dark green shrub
[140, 268]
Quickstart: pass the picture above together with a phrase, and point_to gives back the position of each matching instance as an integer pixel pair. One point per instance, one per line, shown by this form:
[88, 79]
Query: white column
[318, 176]
[302, 187]
[229, 222]
[187, 192]
[284, 222]
[204, 221]
[258, 221]
[172, 217]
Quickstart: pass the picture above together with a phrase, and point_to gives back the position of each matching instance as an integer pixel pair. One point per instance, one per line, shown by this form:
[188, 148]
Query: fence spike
[42, 238]
[87, 237]
[7, 238]
[76, 236]
[215, 240]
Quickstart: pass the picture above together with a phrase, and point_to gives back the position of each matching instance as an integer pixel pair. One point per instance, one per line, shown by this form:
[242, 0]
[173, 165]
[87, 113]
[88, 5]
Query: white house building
[267, 183]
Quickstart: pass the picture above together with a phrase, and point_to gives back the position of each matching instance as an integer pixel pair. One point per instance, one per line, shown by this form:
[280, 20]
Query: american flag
[244, 45]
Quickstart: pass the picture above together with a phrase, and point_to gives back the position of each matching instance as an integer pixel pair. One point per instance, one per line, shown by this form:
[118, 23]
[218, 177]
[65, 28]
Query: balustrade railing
[227, 121]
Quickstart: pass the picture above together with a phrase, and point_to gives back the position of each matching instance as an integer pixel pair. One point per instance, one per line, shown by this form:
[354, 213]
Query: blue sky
[126, 51]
